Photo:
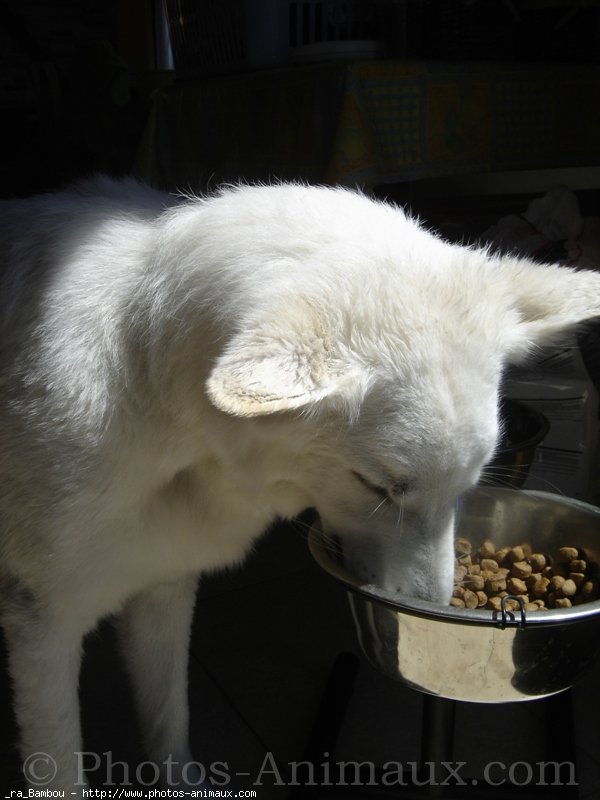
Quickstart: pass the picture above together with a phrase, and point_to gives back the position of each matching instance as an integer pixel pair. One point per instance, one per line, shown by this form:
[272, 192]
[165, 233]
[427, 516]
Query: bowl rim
[461, 616]
[534, 440]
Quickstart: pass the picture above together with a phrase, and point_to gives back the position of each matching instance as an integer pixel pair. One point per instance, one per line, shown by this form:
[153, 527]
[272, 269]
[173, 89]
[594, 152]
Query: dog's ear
[262, 373]
[548, 300]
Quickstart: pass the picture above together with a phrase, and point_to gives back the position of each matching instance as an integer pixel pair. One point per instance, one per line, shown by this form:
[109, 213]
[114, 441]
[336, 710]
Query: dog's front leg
[44, 661]
[154, 631]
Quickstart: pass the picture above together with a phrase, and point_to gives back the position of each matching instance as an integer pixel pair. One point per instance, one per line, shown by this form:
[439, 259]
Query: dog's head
[372, 355]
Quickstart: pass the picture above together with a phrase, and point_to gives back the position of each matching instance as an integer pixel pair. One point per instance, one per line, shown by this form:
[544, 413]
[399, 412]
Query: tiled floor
[265, 640]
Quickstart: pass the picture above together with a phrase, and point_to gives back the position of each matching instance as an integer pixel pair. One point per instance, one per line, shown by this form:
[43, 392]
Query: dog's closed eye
[400, 488]
[397, 489]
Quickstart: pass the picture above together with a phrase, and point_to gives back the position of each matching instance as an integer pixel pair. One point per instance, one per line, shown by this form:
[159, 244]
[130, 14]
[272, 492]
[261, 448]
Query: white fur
[176, 373]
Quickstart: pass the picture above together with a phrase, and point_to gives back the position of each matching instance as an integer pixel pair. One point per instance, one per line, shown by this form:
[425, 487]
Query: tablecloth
[371, 122]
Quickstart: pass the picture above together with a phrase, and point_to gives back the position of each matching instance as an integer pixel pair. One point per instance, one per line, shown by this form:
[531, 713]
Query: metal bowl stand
[437, 748]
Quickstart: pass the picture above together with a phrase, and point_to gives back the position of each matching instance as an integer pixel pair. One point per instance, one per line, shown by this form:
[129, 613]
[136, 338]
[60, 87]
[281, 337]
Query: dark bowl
[523, 428]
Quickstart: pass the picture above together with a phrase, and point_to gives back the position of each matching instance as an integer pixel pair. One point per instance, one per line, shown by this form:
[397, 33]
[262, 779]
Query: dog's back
[66, 260]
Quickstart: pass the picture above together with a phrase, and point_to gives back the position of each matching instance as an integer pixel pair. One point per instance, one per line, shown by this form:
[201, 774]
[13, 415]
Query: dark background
[76, 86]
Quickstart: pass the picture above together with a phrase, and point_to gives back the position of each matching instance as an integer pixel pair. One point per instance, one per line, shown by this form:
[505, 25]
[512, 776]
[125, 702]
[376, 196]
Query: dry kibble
[515, 554]
[516, 586]
[530, 580]
[475, 582]
[568, 553]
[486, 549]
[511, 605]
[539, 603]
[540, 588]
[537, 561]
[568, 588]
[589, 590]
[470, 599]
[462, 546]
[482, 598]
[485, 574]
[495, 585]
[489, 565]
[563, 602]
[521, 569]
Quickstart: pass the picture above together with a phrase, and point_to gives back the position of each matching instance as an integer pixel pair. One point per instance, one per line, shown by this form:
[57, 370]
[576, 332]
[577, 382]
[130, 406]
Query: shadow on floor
[265, 640]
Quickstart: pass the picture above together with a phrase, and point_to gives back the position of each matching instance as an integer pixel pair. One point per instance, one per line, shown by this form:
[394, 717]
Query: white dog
[176, 373]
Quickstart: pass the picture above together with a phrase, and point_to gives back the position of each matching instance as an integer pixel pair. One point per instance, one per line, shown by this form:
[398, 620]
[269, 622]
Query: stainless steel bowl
[476, 654]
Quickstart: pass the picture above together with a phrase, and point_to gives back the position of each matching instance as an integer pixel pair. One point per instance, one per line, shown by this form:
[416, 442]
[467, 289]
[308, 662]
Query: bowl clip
[505, 618]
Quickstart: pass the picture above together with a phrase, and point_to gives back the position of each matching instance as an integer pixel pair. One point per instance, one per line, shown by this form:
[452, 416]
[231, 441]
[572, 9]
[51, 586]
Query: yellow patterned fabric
[372, 122]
